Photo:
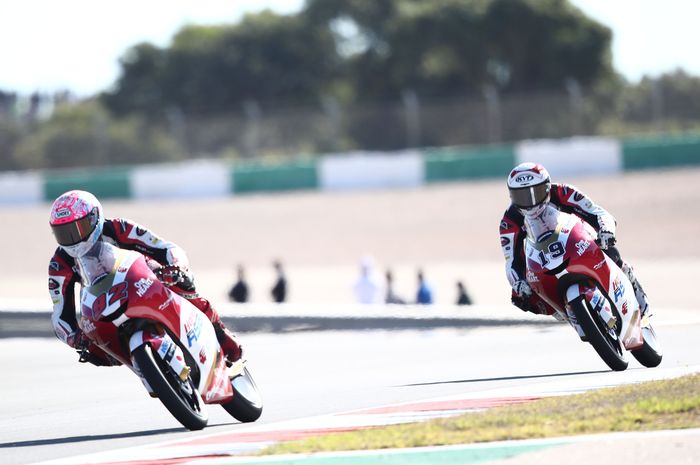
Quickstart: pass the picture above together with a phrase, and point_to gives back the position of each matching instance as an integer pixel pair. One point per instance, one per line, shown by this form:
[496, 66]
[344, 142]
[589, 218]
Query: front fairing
[122, 288]
[567, 247]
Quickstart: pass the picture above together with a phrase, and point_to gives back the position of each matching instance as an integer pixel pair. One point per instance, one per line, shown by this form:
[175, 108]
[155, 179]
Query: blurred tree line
[353, 74]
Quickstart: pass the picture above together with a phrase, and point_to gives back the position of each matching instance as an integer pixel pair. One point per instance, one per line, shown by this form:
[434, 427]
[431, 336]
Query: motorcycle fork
[163, 347]
[597, 301]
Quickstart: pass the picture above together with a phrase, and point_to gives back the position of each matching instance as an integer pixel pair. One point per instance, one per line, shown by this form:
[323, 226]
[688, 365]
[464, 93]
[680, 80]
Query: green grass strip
[656, 405]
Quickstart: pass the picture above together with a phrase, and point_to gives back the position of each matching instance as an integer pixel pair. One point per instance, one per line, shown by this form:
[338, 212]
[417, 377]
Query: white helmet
[529, 185]
[76, 221]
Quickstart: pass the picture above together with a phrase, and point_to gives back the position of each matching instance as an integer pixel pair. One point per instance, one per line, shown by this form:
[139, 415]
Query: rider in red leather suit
[534, 181]
[77, 222]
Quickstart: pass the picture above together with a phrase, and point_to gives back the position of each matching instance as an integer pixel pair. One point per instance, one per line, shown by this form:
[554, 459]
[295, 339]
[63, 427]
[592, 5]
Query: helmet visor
[528, 197]
[76, 231]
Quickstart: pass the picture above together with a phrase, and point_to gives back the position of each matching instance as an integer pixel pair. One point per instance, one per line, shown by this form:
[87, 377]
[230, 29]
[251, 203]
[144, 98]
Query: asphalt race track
[52, 407]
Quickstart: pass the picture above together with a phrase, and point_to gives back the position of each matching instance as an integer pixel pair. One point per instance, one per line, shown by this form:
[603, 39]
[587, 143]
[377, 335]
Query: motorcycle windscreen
[528, 197]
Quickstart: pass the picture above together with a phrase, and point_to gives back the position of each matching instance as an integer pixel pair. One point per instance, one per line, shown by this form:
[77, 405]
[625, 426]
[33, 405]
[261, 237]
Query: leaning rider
[78, 223]
[531, 191]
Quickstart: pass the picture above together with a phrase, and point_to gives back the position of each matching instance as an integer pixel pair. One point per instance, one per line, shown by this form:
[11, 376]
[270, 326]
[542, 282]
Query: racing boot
[638, 290]
[228, 341]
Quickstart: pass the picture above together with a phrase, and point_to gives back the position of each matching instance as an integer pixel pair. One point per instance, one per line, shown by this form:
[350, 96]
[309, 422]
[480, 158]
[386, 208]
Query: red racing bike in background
[567, 268]
[162, 337]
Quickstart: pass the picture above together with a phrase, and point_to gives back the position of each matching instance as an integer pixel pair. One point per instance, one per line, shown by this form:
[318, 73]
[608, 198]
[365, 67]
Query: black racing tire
[246, 405]
[608, 349]
[650, 353]
[187, 407]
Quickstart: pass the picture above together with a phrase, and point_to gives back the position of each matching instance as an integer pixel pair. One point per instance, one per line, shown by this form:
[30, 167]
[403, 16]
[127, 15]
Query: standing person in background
[462, 296]
[391, 297]
[424, 296]
[279, 290]
[367, 288]
[239, 291]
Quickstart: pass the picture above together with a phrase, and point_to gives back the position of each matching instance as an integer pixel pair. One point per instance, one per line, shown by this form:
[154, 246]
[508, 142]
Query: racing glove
[533, 304]
[89, 352]
[606, 239]
[522, 288]
[88, 357]
[178, 279]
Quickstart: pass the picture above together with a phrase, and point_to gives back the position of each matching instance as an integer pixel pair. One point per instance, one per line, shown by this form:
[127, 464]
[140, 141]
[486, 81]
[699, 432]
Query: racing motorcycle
[567, 269]
[167, 341]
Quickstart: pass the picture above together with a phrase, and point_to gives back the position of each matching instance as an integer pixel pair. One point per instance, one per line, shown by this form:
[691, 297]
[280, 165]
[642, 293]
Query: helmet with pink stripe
[76, 221]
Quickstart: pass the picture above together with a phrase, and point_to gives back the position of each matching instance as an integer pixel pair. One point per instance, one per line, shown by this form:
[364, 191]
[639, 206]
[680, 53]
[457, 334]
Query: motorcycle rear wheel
[608, 349]
[181, 398]
[246, 405]
[650, 353]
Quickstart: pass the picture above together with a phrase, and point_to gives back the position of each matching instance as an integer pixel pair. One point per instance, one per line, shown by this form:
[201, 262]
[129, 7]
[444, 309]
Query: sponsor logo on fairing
[618, 289]
[194, 332]
[531, 277]
[167, 302]
[504, 225]
[202, 356]
[53, 284]
[504, 241]
[55, 266]
[122, 269]
[624, 308]
[582, 246]
[88, 326]
[140, 231]
[598, 266]
[578, 197]
[142, 286]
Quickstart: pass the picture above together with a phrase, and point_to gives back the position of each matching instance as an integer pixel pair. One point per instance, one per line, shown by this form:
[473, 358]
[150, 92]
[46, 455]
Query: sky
[76, 44]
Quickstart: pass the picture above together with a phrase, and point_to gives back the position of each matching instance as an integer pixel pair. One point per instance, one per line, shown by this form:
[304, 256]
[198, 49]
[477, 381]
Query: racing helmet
[76, 222]
[529, 185]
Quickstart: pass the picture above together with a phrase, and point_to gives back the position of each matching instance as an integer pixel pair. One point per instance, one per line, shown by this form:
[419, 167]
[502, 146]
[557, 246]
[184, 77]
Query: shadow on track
[504, 378]
[99, 437]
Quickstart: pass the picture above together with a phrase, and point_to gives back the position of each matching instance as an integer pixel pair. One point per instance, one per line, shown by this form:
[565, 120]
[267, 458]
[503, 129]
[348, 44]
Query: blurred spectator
[279, 290]
[391, 297]
[462, 295]
[239, 291]
[424, 296]
[367, 288]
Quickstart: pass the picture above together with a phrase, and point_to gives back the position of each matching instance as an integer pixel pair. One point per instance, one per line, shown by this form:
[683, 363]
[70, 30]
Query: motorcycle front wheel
[599, 336]
[246, 405]
[181, 398]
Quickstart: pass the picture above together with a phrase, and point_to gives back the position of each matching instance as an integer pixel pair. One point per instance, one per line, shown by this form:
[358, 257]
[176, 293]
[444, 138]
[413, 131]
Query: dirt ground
[448, 230]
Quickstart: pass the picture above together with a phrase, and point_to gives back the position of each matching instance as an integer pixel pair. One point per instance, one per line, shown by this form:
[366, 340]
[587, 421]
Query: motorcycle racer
[531, 192]
[78, 223]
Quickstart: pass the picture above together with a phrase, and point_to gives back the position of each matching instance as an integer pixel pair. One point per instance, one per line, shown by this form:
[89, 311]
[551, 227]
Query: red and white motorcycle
[162, 337]
[567, 269]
